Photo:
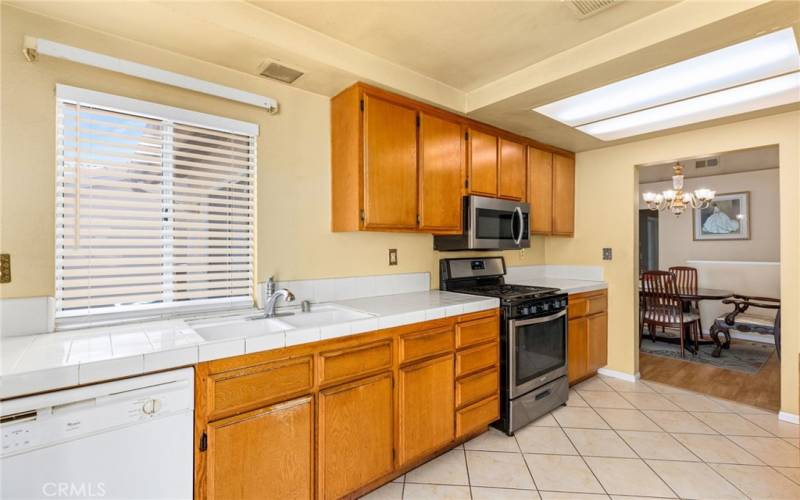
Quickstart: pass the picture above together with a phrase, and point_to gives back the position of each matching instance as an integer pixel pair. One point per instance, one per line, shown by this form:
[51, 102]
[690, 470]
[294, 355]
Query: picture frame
[726, 218]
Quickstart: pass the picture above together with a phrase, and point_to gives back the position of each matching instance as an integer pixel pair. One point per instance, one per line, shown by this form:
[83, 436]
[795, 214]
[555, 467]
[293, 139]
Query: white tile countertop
[44, 362]
[566, 285]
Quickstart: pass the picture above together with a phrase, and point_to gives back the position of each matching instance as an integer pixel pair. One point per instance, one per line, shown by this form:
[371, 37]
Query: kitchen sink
[322, 315]
[241, 328]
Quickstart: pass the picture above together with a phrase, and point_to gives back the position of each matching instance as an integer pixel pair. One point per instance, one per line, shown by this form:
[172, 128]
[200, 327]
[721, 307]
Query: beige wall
[607, 193]
[293, 216]
[676, 242]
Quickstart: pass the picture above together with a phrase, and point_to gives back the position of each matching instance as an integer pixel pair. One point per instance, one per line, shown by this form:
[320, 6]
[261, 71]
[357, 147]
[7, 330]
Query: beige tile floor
[621, 440]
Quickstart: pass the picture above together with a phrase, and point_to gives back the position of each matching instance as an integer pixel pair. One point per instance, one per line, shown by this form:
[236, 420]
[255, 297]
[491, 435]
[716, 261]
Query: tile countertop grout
[45, 362]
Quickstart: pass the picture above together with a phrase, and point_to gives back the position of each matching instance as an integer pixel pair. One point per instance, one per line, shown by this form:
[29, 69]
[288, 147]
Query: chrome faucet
[271, 296]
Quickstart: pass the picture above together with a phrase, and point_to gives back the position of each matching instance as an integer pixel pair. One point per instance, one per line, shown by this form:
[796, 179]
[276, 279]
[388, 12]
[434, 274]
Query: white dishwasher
[128, 439]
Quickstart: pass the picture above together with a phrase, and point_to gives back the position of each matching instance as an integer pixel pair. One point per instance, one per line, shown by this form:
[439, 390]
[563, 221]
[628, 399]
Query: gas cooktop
[509, 292]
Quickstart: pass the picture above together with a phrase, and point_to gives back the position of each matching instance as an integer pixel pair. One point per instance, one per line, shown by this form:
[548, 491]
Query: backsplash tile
[527, 273]
[333, 289]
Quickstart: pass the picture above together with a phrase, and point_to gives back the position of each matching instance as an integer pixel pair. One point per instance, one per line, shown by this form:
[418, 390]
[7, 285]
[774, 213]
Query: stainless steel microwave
[489, 224]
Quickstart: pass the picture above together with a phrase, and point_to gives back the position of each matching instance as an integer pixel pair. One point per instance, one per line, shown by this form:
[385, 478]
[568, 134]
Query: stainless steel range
[533, 338]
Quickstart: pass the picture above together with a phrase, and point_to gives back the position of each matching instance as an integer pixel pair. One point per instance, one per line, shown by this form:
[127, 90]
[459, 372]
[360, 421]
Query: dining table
[688, 296]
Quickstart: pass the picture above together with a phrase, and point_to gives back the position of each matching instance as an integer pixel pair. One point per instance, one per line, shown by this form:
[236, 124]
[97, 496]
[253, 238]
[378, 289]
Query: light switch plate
[607, 254]
[392, 256]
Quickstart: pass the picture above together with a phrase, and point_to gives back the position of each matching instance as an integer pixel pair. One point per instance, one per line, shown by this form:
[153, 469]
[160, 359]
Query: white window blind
[154, 206]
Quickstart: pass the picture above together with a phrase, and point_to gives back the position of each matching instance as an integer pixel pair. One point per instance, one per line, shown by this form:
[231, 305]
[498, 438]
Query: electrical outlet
[392, 256]
[5, 268]
[607, 254]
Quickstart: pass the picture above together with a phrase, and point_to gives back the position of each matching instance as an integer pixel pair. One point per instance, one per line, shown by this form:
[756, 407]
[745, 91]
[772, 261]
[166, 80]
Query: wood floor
[760, 389]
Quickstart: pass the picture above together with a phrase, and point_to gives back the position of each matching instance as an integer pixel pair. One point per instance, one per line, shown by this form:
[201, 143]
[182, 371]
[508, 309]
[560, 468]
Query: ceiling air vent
[280, 72]
[588, 8]
[706, 163]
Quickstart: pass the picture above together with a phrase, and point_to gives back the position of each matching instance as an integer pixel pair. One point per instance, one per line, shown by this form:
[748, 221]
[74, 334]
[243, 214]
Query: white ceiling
[462, 44]
[730, 162]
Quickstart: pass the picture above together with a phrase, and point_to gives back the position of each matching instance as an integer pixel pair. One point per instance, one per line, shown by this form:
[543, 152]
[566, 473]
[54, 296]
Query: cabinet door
[511, 171]
[598, 341]
[482, 163]
[390, 165]
[441, 174]
[563, 195]
[355, 433]
[426, 407]
[577, 349]
[540, 190]
[266, 453]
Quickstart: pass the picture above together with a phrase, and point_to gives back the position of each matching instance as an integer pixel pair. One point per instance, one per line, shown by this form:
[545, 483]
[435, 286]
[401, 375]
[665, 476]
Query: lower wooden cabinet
[426, 393]
[587, 335]
[265, 453]
[356, 435]
[339, 417]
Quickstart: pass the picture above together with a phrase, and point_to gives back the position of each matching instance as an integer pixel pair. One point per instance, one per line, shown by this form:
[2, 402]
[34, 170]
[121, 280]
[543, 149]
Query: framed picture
[726, 218]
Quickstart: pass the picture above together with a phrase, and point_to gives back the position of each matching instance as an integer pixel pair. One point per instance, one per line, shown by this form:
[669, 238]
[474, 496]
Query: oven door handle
[515, 323]
[518, 217]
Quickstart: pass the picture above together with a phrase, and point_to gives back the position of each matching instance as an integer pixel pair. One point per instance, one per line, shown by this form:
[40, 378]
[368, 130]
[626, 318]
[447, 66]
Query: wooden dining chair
[662, 306]
[686, 279]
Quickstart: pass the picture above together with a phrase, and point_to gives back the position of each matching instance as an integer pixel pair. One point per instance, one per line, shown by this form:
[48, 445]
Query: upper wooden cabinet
[441, 174]
[401, 165]
[511, 171]
[482, 163]
[551, 191]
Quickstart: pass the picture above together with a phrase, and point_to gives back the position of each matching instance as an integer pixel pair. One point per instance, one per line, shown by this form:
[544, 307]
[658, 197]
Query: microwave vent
[280, 72]
[706, 163]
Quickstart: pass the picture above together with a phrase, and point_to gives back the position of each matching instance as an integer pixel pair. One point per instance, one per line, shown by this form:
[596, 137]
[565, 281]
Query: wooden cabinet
[339, 417]
[390, 165]
[398, 164]
[441, 175]
[540, 189]
[355, 435]
[482, 163]
[426, 393]
[511, 171]
[563, 195]
[265, 453]
[587, 334]
[551, 192]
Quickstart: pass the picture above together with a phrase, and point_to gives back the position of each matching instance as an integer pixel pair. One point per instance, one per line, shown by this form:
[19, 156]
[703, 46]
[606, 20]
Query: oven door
[497, 224]
[537, 352]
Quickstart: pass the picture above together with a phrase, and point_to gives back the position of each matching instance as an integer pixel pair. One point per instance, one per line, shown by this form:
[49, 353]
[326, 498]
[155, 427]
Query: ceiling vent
[706, 163]
[588, 8]
[280, 72]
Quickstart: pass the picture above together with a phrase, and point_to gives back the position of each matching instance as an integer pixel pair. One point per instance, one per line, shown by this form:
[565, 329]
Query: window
[154, 207]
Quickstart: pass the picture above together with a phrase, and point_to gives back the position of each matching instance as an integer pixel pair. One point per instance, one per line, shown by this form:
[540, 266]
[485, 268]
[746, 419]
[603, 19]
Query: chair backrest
[660, 300]
[685, 277]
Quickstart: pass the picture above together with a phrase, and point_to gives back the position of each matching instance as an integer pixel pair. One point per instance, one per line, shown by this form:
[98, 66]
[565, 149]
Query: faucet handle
[305, 306]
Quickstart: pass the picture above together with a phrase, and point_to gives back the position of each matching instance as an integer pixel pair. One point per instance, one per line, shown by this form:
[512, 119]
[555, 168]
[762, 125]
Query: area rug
[743, 356]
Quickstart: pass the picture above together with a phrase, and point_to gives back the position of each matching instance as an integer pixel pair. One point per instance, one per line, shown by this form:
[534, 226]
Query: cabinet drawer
[477, 416]
[475, 387]
[577, 307]
[477, 331]
[596, 304]
[425, 343]
[476, 358]
[340, 365]
[240, 389]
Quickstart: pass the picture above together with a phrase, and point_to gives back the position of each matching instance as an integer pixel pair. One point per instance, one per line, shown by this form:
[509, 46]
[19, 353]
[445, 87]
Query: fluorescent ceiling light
[767, 56]
[751, 97]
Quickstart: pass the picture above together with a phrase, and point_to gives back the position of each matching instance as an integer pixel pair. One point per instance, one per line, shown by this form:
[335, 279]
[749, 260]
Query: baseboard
[607, 372]
[792, 418]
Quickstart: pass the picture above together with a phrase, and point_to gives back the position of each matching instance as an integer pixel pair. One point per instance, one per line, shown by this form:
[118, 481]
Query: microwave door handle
[518, 216]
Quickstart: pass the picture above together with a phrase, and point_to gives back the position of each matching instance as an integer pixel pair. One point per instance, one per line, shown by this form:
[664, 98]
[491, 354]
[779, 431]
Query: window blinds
[152, 210]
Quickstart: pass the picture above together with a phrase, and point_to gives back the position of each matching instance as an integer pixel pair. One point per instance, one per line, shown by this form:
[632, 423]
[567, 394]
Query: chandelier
[675, 199]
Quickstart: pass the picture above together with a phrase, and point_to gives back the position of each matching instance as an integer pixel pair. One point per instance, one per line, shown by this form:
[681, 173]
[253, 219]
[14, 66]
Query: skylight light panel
[763, 57]
[751, 97]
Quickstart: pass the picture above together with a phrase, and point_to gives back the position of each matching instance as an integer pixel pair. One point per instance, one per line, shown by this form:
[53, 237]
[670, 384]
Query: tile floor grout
[671, 477]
